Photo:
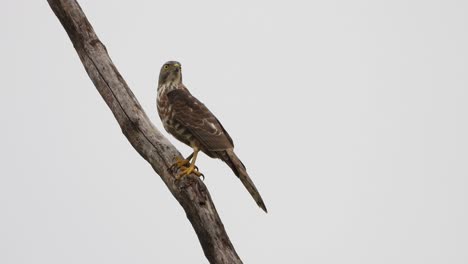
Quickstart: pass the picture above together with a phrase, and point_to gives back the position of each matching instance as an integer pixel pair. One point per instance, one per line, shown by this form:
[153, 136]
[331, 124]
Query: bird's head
[171, 72]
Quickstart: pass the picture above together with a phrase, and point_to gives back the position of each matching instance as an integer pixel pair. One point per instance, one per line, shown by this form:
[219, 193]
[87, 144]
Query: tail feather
[239, 169]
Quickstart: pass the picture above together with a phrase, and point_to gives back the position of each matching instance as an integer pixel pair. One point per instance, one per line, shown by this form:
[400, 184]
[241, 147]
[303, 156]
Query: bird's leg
[191, 168]
[189, 157]
[181, 163]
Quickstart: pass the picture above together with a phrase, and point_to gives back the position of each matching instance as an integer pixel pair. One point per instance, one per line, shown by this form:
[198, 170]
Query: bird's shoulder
[194, 114]
[182, 96]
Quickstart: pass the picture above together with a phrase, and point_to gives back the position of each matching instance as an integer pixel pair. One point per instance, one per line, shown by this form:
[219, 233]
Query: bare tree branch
[190, 192]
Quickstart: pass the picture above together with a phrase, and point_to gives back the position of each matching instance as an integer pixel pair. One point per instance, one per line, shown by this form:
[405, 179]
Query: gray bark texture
[190, 191]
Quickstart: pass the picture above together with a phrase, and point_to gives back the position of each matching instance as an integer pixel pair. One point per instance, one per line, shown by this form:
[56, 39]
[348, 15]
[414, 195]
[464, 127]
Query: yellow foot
[188, 170]
[180, 163]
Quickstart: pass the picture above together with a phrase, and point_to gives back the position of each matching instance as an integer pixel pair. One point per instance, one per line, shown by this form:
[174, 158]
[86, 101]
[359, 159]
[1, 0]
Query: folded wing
[198, 119]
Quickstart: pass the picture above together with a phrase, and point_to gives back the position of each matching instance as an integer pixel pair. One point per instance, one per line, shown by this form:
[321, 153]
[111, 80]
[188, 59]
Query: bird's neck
[167, 87]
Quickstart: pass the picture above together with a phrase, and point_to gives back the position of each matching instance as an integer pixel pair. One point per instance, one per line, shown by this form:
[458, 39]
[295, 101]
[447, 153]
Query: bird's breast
[171, 124]
[168, 119]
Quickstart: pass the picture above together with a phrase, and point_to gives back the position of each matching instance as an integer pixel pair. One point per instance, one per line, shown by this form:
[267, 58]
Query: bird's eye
[166, 66]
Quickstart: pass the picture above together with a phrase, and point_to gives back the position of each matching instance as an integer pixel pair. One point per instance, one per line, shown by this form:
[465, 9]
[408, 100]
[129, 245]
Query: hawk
[190, 121]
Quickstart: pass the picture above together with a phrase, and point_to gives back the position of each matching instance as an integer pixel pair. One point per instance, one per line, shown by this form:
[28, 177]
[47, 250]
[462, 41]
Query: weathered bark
[190, 192]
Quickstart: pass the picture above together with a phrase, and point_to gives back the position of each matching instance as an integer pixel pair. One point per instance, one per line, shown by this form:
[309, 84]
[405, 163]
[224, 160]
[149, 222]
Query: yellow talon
[180, 163]
[189, 170]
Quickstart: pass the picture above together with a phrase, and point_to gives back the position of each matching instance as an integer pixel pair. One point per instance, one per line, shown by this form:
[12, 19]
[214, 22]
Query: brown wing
[196, 118]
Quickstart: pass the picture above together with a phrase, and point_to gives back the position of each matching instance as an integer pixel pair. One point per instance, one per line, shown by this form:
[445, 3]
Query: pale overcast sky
[351, 117]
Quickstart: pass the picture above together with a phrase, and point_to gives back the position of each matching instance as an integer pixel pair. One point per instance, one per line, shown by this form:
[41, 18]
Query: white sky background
[351, 117]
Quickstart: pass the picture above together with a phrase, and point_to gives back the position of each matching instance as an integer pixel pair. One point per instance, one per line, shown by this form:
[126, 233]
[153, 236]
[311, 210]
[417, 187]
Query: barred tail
[238, 168]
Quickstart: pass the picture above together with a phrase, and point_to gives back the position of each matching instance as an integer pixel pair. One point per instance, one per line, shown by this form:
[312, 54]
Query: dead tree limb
[190, 192]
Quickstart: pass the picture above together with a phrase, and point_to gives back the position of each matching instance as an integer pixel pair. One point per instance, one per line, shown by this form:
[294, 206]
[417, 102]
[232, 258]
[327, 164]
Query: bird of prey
[190, 121]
